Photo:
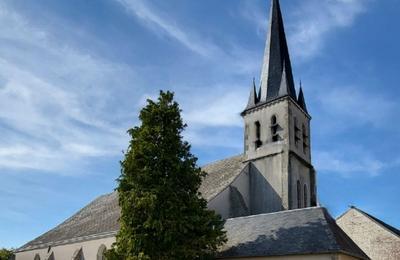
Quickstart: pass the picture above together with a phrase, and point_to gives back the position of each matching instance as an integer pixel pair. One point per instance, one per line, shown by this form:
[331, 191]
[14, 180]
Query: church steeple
[276, 66]
[276, 75]
[277, 139]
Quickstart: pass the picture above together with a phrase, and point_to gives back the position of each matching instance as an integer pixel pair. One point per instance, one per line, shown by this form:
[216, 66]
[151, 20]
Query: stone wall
[375, 240]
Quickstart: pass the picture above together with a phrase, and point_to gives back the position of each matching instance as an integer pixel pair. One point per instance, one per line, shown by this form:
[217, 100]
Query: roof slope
[219, 175]
[302, 231]
[100, 217]
[378, 221]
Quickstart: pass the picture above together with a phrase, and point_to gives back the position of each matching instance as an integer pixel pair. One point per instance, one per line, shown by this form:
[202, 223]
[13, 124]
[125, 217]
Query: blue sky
[74, 74]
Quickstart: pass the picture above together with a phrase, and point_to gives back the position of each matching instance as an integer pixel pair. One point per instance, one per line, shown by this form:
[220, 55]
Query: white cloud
[256, 15]
[356, 106]
[214, 138]
[234, 58]
[315, 20]
[54, 100]
[309, 23]
[163, 23]
[347, 163]
[222, 108]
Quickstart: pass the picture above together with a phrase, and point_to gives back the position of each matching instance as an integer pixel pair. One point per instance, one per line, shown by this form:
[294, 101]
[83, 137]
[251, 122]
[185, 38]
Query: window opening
[274, 129]
[258, 134]
[298, 195]
[305, 196]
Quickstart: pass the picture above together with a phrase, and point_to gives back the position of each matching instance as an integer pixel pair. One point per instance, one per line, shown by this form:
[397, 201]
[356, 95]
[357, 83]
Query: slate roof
[276, 59]
[219, 175]
[100, 218]
[276, 74]
[293, 232]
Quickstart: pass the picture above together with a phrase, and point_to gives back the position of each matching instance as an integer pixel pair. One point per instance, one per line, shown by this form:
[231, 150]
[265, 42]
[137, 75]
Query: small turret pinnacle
[253, 99]
[300, 100]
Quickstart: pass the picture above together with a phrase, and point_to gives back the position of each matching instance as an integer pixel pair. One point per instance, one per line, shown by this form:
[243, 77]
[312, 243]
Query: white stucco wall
[302, 119]
[222, 202]
[299, 172]
[282, 163]
[65, 252]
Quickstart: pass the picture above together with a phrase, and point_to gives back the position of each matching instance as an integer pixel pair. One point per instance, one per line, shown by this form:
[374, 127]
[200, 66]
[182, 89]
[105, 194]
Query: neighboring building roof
[378, 221]
[100, 218]
[293, 232]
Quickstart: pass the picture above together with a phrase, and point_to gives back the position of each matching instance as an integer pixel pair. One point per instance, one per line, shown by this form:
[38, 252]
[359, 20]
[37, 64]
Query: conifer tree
[163, 215]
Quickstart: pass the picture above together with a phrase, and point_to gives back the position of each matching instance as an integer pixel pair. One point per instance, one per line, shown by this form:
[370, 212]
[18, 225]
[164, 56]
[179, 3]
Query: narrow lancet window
[274, 129]
[101, 252]
[296, 132]
[258, 134]
[305, 196]
[298, 195]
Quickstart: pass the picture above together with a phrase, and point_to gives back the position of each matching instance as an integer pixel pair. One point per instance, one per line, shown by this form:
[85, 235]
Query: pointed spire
[253, 99]
[277, 69]
[301, 101]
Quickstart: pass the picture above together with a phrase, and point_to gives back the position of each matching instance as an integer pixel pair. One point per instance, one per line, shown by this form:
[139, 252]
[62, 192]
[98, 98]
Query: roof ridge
[221, 160]
[278, 212]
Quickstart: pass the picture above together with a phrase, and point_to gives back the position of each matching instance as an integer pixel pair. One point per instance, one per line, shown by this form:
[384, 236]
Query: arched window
[298, 195]
[100, 252]
[258, 134]
[273, 120]
[274, 129]
[305, 196]
[37, 257]
[78, 254]
[50, 256]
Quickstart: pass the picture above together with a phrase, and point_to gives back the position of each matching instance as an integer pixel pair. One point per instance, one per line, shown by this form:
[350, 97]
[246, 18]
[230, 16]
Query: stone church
[268, 194]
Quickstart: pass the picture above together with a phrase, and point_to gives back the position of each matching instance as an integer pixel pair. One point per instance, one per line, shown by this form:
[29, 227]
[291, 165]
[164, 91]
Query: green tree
[163, 215]
[6, 254]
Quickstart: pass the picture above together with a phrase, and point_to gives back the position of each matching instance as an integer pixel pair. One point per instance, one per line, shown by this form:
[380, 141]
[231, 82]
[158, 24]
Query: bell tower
[277, 131]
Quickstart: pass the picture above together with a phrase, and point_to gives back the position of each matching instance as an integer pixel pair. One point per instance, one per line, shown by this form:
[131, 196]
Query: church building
[267, 194]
